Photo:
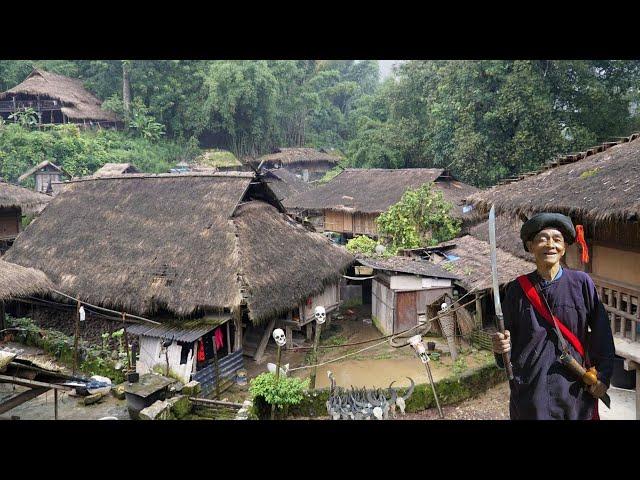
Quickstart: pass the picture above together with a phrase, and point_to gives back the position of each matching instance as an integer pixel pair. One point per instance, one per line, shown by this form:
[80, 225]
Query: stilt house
[211, 256]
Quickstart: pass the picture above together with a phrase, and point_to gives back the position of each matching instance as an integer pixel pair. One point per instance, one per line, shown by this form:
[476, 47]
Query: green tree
[421, 218]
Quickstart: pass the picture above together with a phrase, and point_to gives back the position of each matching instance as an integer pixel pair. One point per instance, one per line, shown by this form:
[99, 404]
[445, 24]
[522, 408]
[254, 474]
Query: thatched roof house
[17, 281]
[601, 184]
[287, 157]
[374, 190]
[507, 235]
[184, 244]
[352, 200]
[111, 169]
[56, 99]
[13, 196]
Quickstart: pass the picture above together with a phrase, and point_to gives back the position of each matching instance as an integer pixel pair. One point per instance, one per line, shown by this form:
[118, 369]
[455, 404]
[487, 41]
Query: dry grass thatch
[77, 102]
[374, 190]
[474, 265]
[411, 265]
[142, 243]
[600, 185]
[285, 184]
[12, 196]
[110, 169]
[507, 236]
[291, 156]
[282, 262]
[17, 281]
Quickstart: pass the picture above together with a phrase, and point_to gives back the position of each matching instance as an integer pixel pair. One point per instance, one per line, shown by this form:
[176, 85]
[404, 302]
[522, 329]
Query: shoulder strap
[535, 300]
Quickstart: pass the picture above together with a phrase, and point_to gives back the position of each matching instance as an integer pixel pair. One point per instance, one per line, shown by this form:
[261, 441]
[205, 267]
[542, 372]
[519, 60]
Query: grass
[217, 158]
[589, 173]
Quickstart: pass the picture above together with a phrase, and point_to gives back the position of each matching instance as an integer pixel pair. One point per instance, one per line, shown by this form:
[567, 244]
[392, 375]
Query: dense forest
[485, 120]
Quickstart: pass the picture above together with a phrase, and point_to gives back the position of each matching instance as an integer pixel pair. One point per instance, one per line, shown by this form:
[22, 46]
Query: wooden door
[406, 311]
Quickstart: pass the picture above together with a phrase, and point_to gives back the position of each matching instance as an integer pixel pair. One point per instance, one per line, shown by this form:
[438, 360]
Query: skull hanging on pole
[279, 337]
[320, 315]
[418, 346]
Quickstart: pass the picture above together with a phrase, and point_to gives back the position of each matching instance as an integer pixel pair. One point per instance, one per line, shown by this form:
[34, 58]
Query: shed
[56, 99]
[110, 169]
[402, 291]
[46, 174]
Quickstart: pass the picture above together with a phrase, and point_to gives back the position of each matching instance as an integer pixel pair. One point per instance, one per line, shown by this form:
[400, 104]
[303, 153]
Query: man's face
[547, 246]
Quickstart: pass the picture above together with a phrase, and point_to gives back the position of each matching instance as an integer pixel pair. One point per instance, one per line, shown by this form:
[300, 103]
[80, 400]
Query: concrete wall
[382, 306]
[152, 354]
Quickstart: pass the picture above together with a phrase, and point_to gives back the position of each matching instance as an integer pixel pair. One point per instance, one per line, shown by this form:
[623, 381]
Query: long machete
[506, 357]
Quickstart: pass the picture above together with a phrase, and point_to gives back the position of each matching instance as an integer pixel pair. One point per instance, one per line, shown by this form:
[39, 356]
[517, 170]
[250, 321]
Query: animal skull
[320, 315]
[279, 337]
[418, 346]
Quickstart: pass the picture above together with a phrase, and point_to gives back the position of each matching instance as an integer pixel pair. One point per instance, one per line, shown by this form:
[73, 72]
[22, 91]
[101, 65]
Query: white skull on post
[279, 337]
[418, 346]
[320, 314]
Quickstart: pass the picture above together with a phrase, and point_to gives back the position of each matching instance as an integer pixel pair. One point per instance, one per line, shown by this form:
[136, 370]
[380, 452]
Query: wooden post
[289, 333]
[126, 341]
[478, 310]
[278, 353]
[316, 342]
[228, 339]
[55, 403]
[637, 393]
[215, 366]
[75, 339]
[2, 314]
[238, 321]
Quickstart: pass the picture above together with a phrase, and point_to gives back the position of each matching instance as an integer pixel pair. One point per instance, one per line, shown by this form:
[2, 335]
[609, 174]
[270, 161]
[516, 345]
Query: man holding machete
[556, 330]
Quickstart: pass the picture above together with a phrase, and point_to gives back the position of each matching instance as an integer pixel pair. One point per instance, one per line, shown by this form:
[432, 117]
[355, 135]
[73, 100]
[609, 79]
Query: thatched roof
[110, 169]
[601, 184]
[43, 164]
[283, 263]
[411, 265]
[175, 241]
[507, 235]
[17, 281]
[474, 265]
[285, 183]
[290, 156]
[77, 102]
[13, 196]
[374, 190]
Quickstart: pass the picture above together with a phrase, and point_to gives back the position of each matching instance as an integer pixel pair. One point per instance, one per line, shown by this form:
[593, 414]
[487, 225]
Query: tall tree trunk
[126, 90]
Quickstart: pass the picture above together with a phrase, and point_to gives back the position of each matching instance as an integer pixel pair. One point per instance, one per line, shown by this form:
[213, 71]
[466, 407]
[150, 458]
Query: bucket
[241, 377]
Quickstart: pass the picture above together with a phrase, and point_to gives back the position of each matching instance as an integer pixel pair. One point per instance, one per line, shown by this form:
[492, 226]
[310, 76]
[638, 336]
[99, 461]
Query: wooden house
[597, 188]
[14, 203]
[350, 203]
[404, 290]
[56, 99]
[46, 174]
[201, 253]
[309, 163]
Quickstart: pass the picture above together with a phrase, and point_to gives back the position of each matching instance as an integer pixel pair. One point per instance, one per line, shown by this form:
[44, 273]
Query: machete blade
[606, 400]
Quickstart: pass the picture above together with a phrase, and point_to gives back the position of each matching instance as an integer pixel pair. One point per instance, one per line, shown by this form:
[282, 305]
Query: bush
[362, 244]
[286, 392]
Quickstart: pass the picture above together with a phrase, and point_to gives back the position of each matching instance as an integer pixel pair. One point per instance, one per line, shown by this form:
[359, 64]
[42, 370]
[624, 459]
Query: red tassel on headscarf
[584, 258]
[201, 356]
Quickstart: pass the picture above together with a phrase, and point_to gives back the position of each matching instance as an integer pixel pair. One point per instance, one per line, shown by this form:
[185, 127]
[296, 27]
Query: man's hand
[598, 389]
[501, 343]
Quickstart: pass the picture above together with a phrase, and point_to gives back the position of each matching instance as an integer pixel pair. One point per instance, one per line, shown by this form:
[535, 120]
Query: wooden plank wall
[329, 299]
[9, 223]
[382, 306]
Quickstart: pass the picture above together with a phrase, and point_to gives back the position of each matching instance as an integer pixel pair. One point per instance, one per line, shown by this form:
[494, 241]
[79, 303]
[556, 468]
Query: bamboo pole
[316, 342]
[126, 340]
[75, 339]
[55, 404]
[278, 356]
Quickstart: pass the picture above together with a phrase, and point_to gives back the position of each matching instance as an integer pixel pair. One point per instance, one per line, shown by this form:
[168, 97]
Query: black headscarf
[541, 221]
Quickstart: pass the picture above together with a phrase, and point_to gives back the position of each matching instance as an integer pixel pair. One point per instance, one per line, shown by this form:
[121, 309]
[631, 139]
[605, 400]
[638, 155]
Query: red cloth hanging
[218, 338]
[201, 356]
[584, 258]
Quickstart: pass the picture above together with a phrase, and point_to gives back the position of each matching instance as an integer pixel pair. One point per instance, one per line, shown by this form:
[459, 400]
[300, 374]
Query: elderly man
[543, 387]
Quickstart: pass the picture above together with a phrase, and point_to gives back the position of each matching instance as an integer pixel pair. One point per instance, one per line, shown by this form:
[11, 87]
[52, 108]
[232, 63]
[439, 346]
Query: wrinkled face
[320, 314]
[547, 246]
[279, 337]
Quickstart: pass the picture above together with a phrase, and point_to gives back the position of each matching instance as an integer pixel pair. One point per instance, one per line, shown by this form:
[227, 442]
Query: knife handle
[506, 357]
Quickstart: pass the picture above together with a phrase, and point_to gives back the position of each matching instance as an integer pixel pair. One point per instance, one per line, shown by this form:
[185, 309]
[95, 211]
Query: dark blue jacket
[543, 388]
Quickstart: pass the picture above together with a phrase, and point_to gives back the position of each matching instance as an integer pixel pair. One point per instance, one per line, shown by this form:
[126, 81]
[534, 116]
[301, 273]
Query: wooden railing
[621, 302]
[38, 106]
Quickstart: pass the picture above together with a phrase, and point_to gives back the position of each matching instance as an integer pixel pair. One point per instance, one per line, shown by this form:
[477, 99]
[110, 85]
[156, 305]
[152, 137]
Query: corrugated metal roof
[408, 265]
[184, 332]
